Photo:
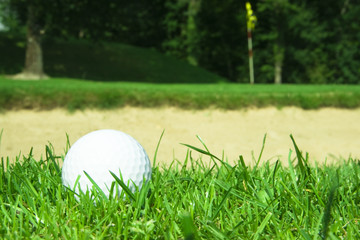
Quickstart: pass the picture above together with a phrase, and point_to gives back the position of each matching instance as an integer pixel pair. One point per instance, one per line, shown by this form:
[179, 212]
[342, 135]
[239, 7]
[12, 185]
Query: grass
[197, 199]
[123, 75]
[79, 94]
[194, 199]
[103, 62]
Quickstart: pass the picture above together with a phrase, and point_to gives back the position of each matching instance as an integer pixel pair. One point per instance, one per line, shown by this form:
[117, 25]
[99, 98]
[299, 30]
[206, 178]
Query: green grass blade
[1, 133]
[221, 203]
[262, 225]
[143, 193]
[292, 172]
[31, 187]
[100, 191]
[302, 162]
[188, 228]
[207, 153]
[261, 152]
[167, 206]
[201, 151]
[157, 148]
[68, 144]
[275, 170]
[327, 214]
[50, 156]
[123, 186]
[215, 232]
[202, 142]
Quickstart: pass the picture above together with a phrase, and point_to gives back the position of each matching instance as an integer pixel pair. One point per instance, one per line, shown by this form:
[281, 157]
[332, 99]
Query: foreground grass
[189, 200]
[79, 94]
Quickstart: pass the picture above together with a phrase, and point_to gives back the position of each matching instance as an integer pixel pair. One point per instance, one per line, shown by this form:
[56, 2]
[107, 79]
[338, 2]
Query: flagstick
[251, 62]
[251, 19]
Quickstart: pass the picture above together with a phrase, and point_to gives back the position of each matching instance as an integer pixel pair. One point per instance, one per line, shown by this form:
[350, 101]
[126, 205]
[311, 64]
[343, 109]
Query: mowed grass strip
[189, 200]
[80, 94]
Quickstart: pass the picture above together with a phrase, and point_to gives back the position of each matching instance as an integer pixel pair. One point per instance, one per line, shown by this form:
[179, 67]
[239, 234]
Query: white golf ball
[99, 152]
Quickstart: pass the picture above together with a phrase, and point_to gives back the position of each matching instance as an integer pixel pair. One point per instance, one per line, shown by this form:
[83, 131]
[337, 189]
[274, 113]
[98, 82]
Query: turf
[103, 62]
[198, 199]
[80, 94]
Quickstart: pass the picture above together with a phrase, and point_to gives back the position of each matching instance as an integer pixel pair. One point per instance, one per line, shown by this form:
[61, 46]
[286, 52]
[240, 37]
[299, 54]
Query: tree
[134, 22]
[192, 31]
[342, 38]
[277, 12]
[291, 39]
[182, 29]
[31, 12]
[222, 43]
[33, 58]
[297, 41]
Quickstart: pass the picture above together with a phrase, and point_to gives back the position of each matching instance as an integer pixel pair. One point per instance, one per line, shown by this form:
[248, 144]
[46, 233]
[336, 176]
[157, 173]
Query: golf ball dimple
[99, 152]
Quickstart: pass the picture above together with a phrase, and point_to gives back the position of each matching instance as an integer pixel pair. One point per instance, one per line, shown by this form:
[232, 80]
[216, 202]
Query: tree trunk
[279, 58]
[279, 52]
[33, 59]
[191, 31]
[279, 46]
[278, 70]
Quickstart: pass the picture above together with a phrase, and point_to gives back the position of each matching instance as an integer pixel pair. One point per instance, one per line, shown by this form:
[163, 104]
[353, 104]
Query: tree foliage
[295, 41]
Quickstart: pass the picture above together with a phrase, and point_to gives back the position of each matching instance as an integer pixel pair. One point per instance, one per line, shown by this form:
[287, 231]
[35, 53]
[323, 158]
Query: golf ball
[99, 152]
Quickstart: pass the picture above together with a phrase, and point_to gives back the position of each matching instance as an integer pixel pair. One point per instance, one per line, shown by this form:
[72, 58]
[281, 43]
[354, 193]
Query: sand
[327, 134]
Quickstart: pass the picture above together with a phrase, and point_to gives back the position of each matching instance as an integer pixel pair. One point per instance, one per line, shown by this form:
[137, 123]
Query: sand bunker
[326, 134]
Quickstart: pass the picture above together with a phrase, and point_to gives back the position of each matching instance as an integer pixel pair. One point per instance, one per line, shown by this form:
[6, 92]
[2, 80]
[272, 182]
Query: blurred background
[298, 41]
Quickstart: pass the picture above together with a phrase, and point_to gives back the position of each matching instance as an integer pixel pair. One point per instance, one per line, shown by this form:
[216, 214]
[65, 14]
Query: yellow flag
[251, 18]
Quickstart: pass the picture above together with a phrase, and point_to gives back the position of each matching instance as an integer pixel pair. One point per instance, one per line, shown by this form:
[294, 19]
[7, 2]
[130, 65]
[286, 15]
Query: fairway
[327, 134]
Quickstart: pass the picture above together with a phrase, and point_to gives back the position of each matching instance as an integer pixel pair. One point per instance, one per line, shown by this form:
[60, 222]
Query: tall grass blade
[215, 232]
[143, 193]
[188, 228]
[292, 173]
[123, 186]
[221, 203]
[68, 145]
[31, 187]
[275, 170]
[327, 213]
[301, 161]
[100, 191]
[1, 133]
[187, 157]
[207, 153]
[304, 234]
[356, 176]
[202, 142]
[167, 205]
[261, 152]
[208, 173]
[50, 156]
[244, 168]
[201, 151]
[157, 148]
[262, 225]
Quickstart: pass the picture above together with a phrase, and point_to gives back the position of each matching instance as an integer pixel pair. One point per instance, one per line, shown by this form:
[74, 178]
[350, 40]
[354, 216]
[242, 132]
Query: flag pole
[251, 60]
[251, 19]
